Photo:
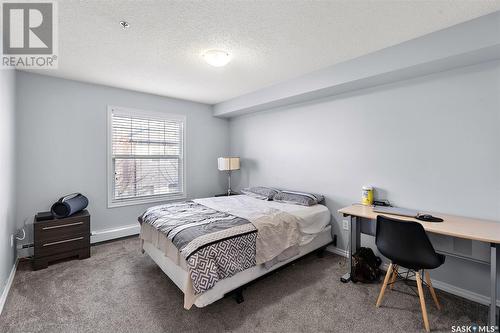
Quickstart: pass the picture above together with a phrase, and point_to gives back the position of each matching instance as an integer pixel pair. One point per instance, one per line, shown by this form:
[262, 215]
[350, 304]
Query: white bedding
[312, 219]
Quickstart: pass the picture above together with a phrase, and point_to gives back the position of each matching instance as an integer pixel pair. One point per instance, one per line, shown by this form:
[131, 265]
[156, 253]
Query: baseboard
[113, 233]
[6, 289]
[25, 252]
[96, 237]
[467, 294]
[337, 250]
[464, 293]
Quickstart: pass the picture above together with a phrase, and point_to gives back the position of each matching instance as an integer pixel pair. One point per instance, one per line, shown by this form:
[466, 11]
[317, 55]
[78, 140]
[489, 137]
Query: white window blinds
[146, 156]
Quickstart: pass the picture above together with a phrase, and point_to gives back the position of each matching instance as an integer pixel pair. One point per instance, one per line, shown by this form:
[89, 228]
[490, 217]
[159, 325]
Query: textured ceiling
[271, 41]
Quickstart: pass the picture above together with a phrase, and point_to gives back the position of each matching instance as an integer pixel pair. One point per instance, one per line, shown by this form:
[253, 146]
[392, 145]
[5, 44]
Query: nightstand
[225, 194]
[61, 238]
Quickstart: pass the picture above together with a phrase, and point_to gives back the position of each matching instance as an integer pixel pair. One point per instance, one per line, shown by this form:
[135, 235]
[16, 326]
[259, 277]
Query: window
[146, 156]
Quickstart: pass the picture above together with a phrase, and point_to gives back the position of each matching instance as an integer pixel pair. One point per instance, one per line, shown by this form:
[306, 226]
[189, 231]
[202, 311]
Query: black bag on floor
[366, 266]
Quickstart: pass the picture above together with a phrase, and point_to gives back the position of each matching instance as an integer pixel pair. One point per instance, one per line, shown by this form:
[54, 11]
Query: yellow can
[367, 196]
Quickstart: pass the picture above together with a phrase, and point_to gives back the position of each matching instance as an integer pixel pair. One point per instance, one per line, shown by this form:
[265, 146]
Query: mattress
[311, 219]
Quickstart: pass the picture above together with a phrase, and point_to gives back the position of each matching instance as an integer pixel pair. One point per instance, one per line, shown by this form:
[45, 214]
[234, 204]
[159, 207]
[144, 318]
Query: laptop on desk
[395, 211]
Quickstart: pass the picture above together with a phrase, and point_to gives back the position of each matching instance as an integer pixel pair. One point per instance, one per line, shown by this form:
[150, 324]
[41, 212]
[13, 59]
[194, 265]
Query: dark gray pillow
[298, 198]
[260, 192]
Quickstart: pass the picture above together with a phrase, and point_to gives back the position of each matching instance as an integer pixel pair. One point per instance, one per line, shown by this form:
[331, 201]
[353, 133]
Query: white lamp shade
[228, 163]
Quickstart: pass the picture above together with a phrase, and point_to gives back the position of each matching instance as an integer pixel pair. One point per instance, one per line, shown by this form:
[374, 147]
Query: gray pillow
[260, 192]
[298, 198]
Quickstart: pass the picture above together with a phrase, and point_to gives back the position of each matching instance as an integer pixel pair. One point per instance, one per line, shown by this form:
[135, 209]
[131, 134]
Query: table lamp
[228, 164]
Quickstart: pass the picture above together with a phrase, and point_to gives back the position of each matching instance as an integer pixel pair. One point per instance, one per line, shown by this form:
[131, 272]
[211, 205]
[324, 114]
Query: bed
[314, 232]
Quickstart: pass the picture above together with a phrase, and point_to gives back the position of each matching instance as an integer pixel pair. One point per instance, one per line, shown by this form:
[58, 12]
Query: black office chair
[406, 244]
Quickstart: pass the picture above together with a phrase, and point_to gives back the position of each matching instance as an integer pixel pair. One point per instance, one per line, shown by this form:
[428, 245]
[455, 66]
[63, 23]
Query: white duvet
[311, 220]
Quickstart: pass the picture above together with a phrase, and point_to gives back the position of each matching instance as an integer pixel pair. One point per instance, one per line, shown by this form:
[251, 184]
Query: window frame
[112, 202]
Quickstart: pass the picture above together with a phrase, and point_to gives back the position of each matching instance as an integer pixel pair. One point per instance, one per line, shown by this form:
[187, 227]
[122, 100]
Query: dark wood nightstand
[225, 194]
[61, 238]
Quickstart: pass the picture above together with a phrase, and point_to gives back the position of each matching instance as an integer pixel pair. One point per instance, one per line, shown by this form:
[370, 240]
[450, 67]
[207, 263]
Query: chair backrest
[405, 243]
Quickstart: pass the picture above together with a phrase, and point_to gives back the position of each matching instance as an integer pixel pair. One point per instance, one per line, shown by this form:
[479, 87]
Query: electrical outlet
[11, 240]
[345, 224]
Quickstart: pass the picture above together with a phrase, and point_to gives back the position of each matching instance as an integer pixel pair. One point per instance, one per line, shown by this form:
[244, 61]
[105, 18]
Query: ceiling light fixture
[125, 25]
[216, 58]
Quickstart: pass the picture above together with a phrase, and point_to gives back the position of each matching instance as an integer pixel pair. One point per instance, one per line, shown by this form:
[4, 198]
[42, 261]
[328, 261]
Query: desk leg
[354, 241]
[493, 319]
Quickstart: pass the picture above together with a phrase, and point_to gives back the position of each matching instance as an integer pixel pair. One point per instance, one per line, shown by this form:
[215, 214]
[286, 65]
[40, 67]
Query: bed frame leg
[320, 253]
[238, 296]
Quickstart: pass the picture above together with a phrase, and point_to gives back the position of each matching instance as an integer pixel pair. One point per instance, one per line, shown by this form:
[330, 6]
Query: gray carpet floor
[119, 289]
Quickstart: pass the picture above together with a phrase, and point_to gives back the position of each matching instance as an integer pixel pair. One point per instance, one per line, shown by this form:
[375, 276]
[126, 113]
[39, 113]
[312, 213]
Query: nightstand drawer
[57, 230]
[51, 247]
[61, 238]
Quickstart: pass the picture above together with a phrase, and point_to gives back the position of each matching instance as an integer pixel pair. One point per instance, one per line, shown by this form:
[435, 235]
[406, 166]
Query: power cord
[24, 235]
[23, 230]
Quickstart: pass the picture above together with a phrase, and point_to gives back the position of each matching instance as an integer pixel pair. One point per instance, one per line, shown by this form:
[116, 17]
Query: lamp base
[229, 183]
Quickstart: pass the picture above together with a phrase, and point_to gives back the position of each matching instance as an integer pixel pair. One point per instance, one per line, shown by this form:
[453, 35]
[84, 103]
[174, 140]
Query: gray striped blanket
[216, 245]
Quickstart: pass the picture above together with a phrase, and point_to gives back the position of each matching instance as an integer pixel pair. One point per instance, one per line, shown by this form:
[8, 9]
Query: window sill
[134, 202]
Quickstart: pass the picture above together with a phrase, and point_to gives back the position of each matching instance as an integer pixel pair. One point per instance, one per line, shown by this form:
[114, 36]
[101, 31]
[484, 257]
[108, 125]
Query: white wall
[430, 143]
[62, 145]
[7, 173]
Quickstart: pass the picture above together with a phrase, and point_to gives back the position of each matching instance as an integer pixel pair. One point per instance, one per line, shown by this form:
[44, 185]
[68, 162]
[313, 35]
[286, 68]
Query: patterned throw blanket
[216, 245]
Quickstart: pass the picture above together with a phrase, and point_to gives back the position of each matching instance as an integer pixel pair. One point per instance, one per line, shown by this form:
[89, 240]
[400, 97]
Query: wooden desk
[454, 226]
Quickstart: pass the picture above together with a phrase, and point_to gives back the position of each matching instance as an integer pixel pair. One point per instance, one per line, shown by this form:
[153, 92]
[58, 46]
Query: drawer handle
[63, 241]
[61, 226]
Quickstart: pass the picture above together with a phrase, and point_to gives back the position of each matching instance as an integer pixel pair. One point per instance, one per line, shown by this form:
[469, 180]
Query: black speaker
[69, 205]
[44, 216]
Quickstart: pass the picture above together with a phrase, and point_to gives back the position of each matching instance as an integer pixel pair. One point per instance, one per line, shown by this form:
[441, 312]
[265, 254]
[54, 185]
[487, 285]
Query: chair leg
[422, 300]
[431, 289]
[386, 280]
[394, 276]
